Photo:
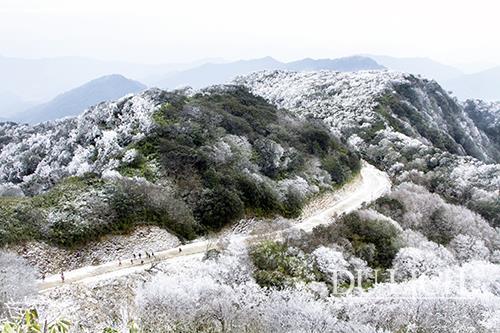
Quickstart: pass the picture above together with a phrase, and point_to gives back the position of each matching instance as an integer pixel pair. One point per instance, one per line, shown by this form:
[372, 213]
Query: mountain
[482, 85]
[193, 164]
[405, 125]
[346, 64]
[75, 101]
[40, 80]
[428, 68]
[486, 116]
[239, 162]
[209, 74]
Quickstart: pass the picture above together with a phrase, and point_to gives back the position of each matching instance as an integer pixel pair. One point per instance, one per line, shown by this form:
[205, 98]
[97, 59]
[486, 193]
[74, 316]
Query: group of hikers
[135, 257]
[139, 257]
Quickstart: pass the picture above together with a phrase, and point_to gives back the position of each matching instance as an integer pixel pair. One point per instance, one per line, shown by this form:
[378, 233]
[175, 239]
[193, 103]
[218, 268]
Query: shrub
[28, 322]
[389, 207]
[219, 207]
[142, 203]
[276, 265]
[293, 204]
[259, 197]
[373, 240]
[363, 232]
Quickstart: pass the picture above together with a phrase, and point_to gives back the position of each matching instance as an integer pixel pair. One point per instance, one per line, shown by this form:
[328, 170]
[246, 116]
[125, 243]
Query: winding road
[373, 184]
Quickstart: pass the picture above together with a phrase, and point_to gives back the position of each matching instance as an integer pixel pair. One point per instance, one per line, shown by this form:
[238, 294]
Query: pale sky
[154, 31]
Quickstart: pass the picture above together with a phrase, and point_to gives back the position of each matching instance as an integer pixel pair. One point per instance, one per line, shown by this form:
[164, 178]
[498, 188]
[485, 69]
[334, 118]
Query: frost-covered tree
[411, 262]
[416, 208]
[458, 299]
[332, 264]
[219, 295]
[467, 248]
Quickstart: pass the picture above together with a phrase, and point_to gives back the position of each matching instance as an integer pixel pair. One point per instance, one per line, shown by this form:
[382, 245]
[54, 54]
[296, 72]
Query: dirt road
[373, 184]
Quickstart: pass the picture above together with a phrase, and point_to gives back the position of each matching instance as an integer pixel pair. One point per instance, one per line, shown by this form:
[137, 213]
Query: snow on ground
[36, 157]
[52, 260]
[340, 99]
[374, 184]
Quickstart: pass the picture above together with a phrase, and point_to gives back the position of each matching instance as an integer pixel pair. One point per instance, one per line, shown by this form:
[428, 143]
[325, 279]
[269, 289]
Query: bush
[19, 220]
[219, 207]
[277, 266]
[373, 240]
[258, 197]
[364, 234]
[142, 203]
[28, 322]
[293, 204]
[389, 207]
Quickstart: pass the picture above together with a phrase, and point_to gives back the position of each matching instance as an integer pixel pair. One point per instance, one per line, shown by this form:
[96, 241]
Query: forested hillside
[188, 163]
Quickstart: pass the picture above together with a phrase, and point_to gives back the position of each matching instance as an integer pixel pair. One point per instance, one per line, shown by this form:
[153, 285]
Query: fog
[153, 31]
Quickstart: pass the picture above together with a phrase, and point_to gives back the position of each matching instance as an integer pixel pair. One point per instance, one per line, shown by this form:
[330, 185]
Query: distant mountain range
[423, 66]
[483, 85]
[210, 73]
[39, 80]
[26, 81]
[30, 78]
[346, 64]
[75, 101]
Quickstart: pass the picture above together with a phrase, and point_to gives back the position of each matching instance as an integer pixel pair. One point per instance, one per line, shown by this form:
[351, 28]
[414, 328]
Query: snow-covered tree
[411, 262]
[467, 248]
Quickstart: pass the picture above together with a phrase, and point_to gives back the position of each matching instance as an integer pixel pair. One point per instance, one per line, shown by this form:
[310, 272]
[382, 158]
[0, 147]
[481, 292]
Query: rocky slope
[486, 116]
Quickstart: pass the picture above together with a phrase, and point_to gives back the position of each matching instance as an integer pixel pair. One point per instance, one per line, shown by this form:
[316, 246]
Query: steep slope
[209, 74]
[483, 85]
[75, 101]
[407, 126]
[486, 116]
[187, 163]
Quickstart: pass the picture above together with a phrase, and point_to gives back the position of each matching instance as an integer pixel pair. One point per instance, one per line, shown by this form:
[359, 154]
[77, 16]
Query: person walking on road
[62, 276]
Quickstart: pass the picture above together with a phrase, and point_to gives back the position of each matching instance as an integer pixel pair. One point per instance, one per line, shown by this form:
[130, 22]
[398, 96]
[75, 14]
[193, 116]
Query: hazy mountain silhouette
[423, 66]
[483, 85]
[209, 74]
[40, 80]
[346, 64]
[75, 101]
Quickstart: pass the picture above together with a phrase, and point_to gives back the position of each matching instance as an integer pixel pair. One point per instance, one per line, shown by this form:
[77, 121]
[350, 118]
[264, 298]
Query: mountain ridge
[406, 126]
[210, 74]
